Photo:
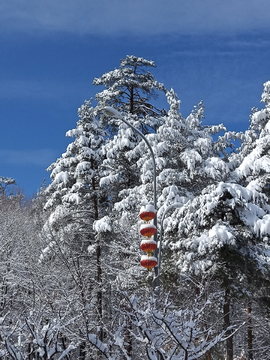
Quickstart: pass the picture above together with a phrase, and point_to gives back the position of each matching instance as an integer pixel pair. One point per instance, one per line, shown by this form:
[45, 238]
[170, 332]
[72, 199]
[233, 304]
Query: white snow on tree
[130, 89]
[5, 182]
[73, 173]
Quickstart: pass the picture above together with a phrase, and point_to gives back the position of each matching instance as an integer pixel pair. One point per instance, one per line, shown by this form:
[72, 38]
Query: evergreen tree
[130, 88]
[77, 203]
[222, 231]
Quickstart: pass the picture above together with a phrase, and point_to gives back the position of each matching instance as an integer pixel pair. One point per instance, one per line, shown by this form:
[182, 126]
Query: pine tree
[77, 203]
[251, 167]
[129, 90]
[222, 231]
[187, 160]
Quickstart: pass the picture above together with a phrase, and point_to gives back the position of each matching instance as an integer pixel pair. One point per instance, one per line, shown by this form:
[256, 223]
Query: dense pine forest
[71, 282]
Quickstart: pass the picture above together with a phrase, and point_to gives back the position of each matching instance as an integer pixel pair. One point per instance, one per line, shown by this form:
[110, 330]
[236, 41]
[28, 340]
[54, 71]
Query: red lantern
[147, 213]
[148, 230]
[148, 262]
[148, 245]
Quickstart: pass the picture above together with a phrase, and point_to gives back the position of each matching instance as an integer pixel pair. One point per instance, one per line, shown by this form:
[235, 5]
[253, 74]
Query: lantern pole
[112, 112]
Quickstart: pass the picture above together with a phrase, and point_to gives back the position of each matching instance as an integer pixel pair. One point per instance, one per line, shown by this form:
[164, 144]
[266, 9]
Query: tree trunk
[249, 333]
[131, 104]
[227, 323]
[99, 293]
[98, 258]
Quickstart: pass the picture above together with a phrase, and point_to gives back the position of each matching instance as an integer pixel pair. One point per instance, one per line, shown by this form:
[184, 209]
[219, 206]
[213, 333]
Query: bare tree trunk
[227, 323]
[249, 332]
[99, 293]
[98, 259]
[131, 105]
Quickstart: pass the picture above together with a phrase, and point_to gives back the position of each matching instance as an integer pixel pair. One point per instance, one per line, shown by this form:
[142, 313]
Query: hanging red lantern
[148, 262]
[148, 246]
[147, 213]
[148, 230]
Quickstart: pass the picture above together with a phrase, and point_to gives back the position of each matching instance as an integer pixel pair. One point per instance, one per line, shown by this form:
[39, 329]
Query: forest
[71, 282]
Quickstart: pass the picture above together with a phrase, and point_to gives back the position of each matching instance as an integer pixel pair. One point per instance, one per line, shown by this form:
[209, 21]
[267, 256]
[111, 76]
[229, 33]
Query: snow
[99, 344]
[146, 257]
[148, 242]
[253, 163]
[148, 208]
[191, 158]
[83, 166]
[107, 180]
[47, 251]
[74, 198]
[222, 235]
[66, 351]
[212, 240]
[262, 226]
[258, 116]
[214, 167]
[253, 186]
[102, 225]
[147, 226]
[266, 93]
[61, 177]
[202, 144]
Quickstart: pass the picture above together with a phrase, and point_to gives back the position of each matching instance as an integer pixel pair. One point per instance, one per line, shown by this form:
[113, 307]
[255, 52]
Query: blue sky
[51, 50]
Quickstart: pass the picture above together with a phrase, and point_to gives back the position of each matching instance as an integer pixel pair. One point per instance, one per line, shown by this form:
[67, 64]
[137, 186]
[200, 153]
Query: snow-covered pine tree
[77, 202]
[186, 156]
[74, 190]
[251, 164]
[223, 231]
[187, 160]
[76, 171]
[190, 160]
[130, 88]
[251, 167]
